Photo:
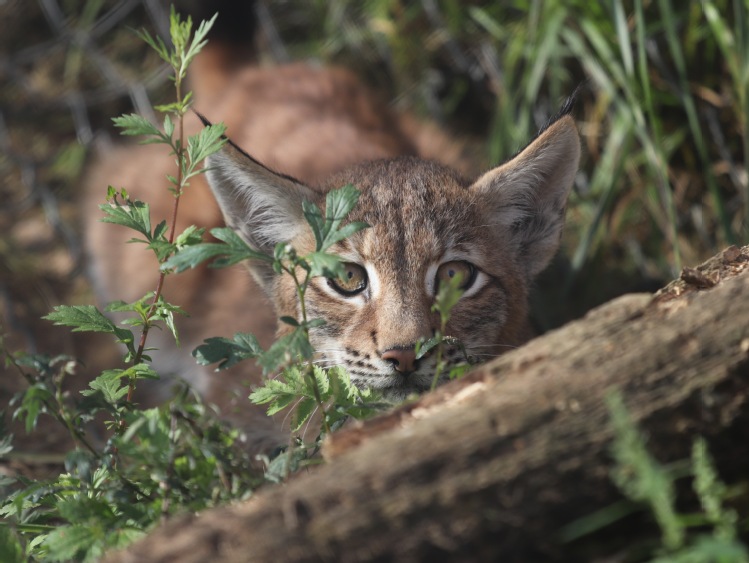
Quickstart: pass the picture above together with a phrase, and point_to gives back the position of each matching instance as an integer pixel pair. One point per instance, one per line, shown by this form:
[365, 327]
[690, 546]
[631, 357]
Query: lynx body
[310, 130]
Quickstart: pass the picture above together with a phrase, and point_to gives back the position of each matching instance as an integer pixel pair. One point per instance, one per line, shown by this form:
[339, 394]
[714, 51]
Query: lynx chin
[310, 130]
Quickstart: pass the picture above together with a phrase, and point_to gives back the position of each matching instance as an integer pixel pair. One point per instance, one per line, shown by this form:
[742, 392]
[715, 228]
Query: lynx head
[427, 224]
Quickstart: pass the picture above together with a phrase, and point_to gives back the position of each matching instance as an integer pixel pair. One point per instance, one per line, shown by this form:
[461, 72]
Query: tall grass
[664, 110]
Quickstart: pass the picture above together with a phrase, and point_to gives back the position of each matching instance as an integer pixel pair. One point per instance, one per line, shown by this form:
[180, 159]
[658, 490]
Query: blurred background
[663, 112]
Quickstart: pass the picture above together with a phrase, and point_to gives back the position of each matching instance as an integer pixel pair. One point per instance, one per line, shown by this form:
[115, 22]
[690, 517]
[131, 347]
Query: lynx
[310, 130]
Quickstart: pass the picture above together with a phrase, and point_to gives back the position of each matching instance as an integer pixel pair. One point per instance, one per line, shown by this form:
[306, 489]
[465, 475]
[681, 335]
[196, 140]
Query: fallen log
[492, 467]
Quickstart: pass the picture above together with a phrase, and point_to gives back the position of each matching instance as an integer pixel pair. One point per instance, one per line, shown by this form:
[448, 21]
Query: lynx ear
[262, 206]
[526, 197]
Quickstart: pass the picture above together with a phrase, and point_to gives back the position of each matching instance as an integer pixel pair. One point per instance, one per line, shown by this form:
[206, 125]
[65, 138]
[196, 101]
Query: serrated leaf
[87, 318]
[190, 236]
[157, 44]
[286, 349]
[208, 141]
[110, 384]
[120, 306]
[324, 264]
[198, 41]
[135, 215]
[315, 219]
[323, 383]
[160, 230]
[228, 352]
[193, 256]
[302, 412]
[34, 403]
[162, 248]
[68, 543]
[232, 250]
[270, 391]
[426, 346]
[134, 124]
[240, 250]
[280, 403]
[345, 232]
[338, 204]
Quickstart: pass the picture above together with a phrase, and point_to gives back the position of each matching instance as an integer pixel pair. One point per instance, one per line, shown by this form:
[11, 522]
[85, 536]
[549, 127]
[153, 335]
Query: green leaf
[83, 318]
[110, 384]
[287, 349]
[11, 550]
[165, 312]
[207, 142]
[198, 41]
[711, 491]
[239, 248]
[168, 126]
[708, 549]
[157, 44]
[68, 543]
[87, 318]
[322, 378]
[271, 390]
[280, 402]
[134, 124]
[35, 400]
[227, 352]
[6, 444]
[639, 476]
[80, 463]
[232, 250]
[448, 296]
[192, 235]
[303, 411]
[323, 264]
[162, 248]
[338, 204]
[423, 347]
[135, 215]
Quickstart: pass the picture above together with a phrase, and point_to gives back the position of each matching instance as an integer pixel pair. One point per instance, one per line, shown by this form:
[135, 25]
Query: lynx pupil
[449, 270]
[353, 281]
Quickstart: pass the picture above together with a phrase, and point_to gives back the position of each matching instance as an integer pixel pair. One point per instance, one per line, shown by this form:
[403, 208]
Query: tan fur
[322, 129]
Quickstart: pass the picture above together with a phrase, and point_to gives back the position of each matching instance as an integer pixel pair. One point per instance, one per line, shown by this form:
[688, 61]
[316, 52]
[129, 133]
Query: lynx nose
[403, 359]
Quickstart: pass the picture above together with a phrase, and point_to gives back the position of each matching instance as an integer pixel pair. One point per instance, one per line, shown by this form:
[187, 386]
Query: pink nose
[403, 359]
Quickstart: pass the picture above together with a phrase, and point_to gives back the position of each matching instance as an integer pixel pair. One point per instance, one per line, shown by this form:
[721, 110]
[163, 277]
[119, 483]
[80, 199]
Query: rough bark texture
[491, 467]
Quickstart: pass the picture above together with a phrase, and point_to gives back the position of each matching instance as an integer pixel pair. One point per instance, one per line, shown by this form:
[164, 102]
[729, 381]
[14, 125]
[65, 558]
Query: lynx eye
[353, 282]
[449, 270]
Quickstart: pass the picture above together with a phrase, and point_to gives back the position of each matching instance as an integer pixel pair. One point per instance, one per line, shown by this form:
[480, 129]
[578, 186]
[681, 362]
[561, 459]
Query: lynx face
[427, 225]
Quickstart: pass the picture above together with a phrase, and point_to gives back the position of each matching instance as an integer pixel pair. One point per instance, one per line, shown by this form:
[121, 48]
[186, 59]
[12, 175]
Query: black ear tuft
[568, 108]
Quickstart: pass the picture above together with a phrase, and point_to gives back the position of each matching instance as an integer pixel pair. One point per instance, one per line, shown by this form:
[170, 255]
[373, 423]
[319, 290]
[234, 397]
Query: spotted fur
[422, 214]
[310, 130]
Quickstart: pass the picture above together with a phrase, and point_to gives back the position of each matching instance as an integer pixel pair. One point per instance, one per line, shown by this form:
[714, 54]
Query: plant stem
[309, 370]
[179, 151]
[57, 410]
[438, 367]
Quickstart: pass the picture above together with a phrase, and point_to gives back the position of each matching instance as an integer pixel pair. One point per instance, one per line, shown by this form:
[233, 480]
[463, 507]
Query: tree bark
[492, 467]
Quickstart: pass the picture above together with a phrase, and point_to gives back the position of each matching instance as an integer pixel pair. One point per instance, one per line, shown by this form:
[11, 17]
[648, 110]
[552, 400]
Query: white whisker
[285, 418]
[309, 421]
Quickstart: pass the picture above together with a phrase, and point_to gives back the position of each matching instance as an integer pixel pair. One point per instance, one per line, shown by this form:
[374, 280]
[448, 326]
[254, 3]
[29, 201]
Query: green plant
[178, 456]
[665, 129]
[447, 297]
[301, 387]
[154, 462]
[712, 534]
